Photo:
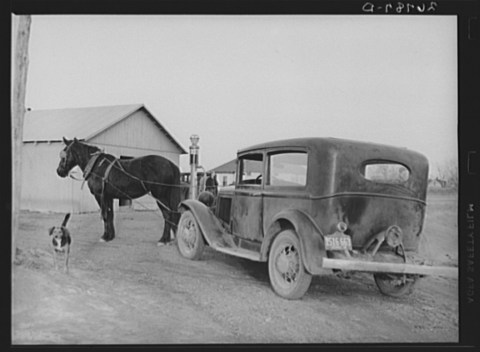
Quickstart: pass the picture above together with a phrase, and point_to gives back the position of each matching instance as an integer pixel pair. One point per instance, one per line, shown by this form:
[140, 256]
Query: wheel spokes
[189, 235]
[287, 264]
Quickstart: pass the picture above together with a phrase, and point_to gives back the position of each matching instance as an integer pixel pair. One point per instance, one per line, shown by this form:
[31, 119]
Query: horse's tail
[184, 190]
[176, 194]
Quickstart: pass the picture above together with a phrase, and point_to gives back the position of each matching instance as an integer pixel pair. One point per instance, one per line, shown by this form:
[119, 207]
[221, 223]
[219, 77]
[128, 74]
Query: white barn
[124, 131]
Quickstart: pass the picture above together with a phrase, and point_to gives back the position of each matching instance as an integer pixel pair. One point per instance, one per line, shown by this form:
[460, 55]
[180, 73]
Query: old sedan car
[315, 204]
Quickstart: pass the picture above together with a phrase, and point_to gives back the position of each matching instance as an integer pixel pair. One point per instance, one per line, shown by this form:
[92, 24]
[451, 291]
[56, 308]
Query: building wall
[44, 190]
[225, 179]
[135, 136]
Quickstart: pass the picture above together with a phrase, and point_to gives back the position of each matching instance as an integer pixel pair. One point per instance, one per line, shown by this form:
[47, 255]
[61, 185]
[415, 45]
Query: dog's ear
[50, 230]
[66, 141]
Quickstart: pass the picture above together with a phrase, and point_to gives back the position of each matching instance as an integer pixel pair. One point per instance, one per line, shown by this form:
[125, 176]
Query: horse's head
[68, 158]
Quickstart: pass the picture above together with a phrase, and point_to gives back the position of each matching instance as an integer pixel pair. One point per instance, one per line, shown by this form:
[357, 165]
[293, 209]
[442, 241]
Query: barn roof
[227, 168]
[82, 123]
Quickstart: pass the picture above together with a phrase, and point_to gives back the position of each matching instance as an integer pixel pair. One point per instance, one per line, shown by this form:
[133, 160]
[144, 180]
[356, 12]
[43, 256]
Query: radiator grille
[224, 205]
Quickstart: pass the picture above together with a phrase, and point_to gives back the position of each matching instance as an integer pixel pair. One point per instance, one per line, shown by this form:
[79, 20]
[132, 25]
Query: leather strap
[107, 171]
[88, 169]
[90, 165]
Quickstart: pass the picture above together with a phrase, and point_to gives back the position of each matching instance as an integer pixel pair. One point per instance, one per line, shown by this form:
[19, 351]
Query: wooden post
[20, 67]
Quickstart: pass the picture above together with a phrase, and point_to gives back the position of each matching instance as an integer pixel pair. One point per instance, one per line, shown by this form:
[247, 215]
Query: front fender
[311, 238]
[208, 223]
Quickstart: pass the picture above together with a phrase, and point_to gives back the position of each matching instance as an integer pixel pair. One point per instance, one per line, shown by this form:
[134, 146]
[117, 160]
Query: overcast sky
[241, 80]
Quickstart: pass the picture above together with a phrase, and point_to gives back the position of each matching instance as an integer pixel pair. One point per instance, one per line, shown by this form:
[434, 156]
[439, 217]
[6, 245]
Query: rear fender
[209, 225]
[311, 238]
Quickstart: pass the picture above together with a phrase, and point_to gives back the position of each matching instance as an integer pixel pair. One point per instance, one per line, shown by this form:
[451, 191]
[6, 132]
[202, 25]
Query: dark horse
[109, 178]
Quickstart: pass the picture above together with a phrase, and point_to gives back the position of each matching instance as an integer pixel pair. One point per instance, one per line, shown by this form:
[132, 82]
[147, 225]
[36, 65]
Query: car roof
[315, 141]
[358, 148]
[336, 158]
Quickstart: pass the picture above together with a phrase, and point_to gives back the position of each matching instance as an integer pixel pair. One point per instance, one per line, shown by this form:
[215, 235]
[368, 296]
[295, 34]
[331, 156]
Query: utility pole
[19, 68]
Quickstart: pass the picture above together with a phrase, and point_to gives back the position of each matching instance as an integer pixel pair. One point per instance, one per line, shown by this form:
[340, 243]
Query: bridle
[63, 155]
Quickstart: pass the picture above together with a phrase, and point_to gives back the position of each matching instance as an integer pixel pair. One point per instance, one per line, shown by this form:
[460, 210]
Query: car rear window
[386, 172]
[288, 169]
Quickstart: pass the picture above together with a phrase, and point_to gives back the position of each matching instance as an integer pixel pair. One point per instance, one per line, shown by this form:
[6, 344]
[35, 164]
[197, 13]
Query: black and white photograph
[235, 178]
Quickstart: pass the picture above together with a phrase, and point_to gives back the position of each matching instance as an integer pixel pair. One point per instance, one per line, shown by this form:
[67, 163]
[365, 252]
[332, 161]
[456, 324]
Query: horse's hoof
[102, 240]
[161, 244]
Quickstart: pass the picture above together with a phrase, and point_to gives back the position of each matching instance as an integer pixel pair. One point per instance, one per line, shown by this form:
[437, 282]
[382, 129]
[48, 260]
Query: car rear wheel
[190, 242]
[395, 285]
[285, 267]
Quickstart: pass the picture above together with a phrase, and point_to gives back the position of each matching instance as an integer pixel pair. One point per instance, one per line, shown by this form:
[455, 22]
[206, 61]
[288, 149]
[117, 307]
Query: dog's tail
[64, 223]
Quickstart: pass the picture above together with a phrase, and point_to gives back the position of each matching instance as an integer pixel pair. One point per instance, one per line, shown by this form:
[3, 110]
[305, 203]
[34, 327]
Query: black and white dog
[61, 241]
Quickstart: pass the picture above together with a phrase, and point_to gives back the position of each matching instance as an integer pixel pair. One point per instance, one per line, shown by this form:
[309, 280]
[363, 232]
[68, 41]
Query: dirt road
[130, 291]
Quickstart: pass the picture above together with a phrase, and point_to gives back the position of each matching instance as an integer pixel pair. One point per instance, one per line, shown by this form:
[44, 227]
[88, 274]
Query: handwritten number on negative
[400, 7]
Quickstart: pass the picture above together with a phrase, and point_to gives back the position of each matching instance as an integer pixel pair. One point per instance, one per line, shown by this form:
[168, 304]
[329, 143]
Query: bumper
[398, 268]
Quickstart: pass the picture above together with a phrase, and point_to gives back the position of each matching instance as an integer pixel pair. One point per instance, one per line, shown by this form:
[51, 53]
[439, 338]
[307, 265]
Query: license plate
[338, 243]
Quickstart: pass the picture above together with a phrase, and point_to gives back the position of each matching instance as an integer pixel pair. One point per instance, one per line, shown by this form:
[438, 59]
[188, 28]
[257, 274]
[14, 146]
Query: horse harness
[89, 167]
[91, 164]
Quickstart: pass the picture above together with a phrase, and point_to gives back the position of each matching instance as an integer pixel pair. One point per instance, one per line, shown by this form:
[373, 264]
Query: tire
[285, 267]
[190, 242]
[395, 285]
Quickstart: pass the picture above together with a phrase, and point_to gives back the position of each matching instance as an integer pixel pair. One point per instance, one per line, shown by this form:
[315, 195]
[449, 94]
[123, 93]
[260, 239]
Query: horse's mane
[89, 146]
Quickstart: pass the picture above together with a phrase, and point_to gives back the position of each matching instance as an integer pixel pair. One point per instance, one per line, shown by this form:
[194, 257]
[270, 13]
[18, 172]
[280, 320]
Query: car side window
[250, 169]
[288, 169]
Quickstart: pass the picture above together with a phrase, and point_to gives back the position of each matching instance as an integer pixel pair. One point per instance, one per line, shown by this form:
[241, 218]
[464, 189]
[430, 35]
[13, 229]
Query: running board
[238, 252]
[398, 268]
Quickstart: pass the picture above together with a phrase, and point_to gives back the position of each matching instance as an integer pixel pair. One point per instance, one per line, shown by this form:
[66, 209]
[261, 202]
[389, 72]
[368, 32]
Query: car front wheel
[190, 242]
[285, 267]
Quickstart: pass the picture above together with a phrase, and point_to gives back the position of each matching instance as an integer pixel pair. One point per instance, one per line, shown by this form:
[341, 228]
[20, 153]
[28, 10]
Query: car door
[285, 182]
[247, 208]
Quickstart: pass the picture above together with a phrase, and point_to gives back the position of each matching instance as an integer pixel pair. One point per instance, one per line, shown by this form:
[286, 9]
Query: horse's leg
[172, 200]
[161, 195]
[109, 228]
[166, 228]
[106, 211]
[103, 214]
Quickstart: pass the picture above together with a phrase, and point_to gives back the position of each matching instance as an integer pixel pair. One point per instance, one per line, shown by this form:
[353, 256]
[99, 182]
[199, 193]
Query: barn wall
[137, 135]
[43, 189]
